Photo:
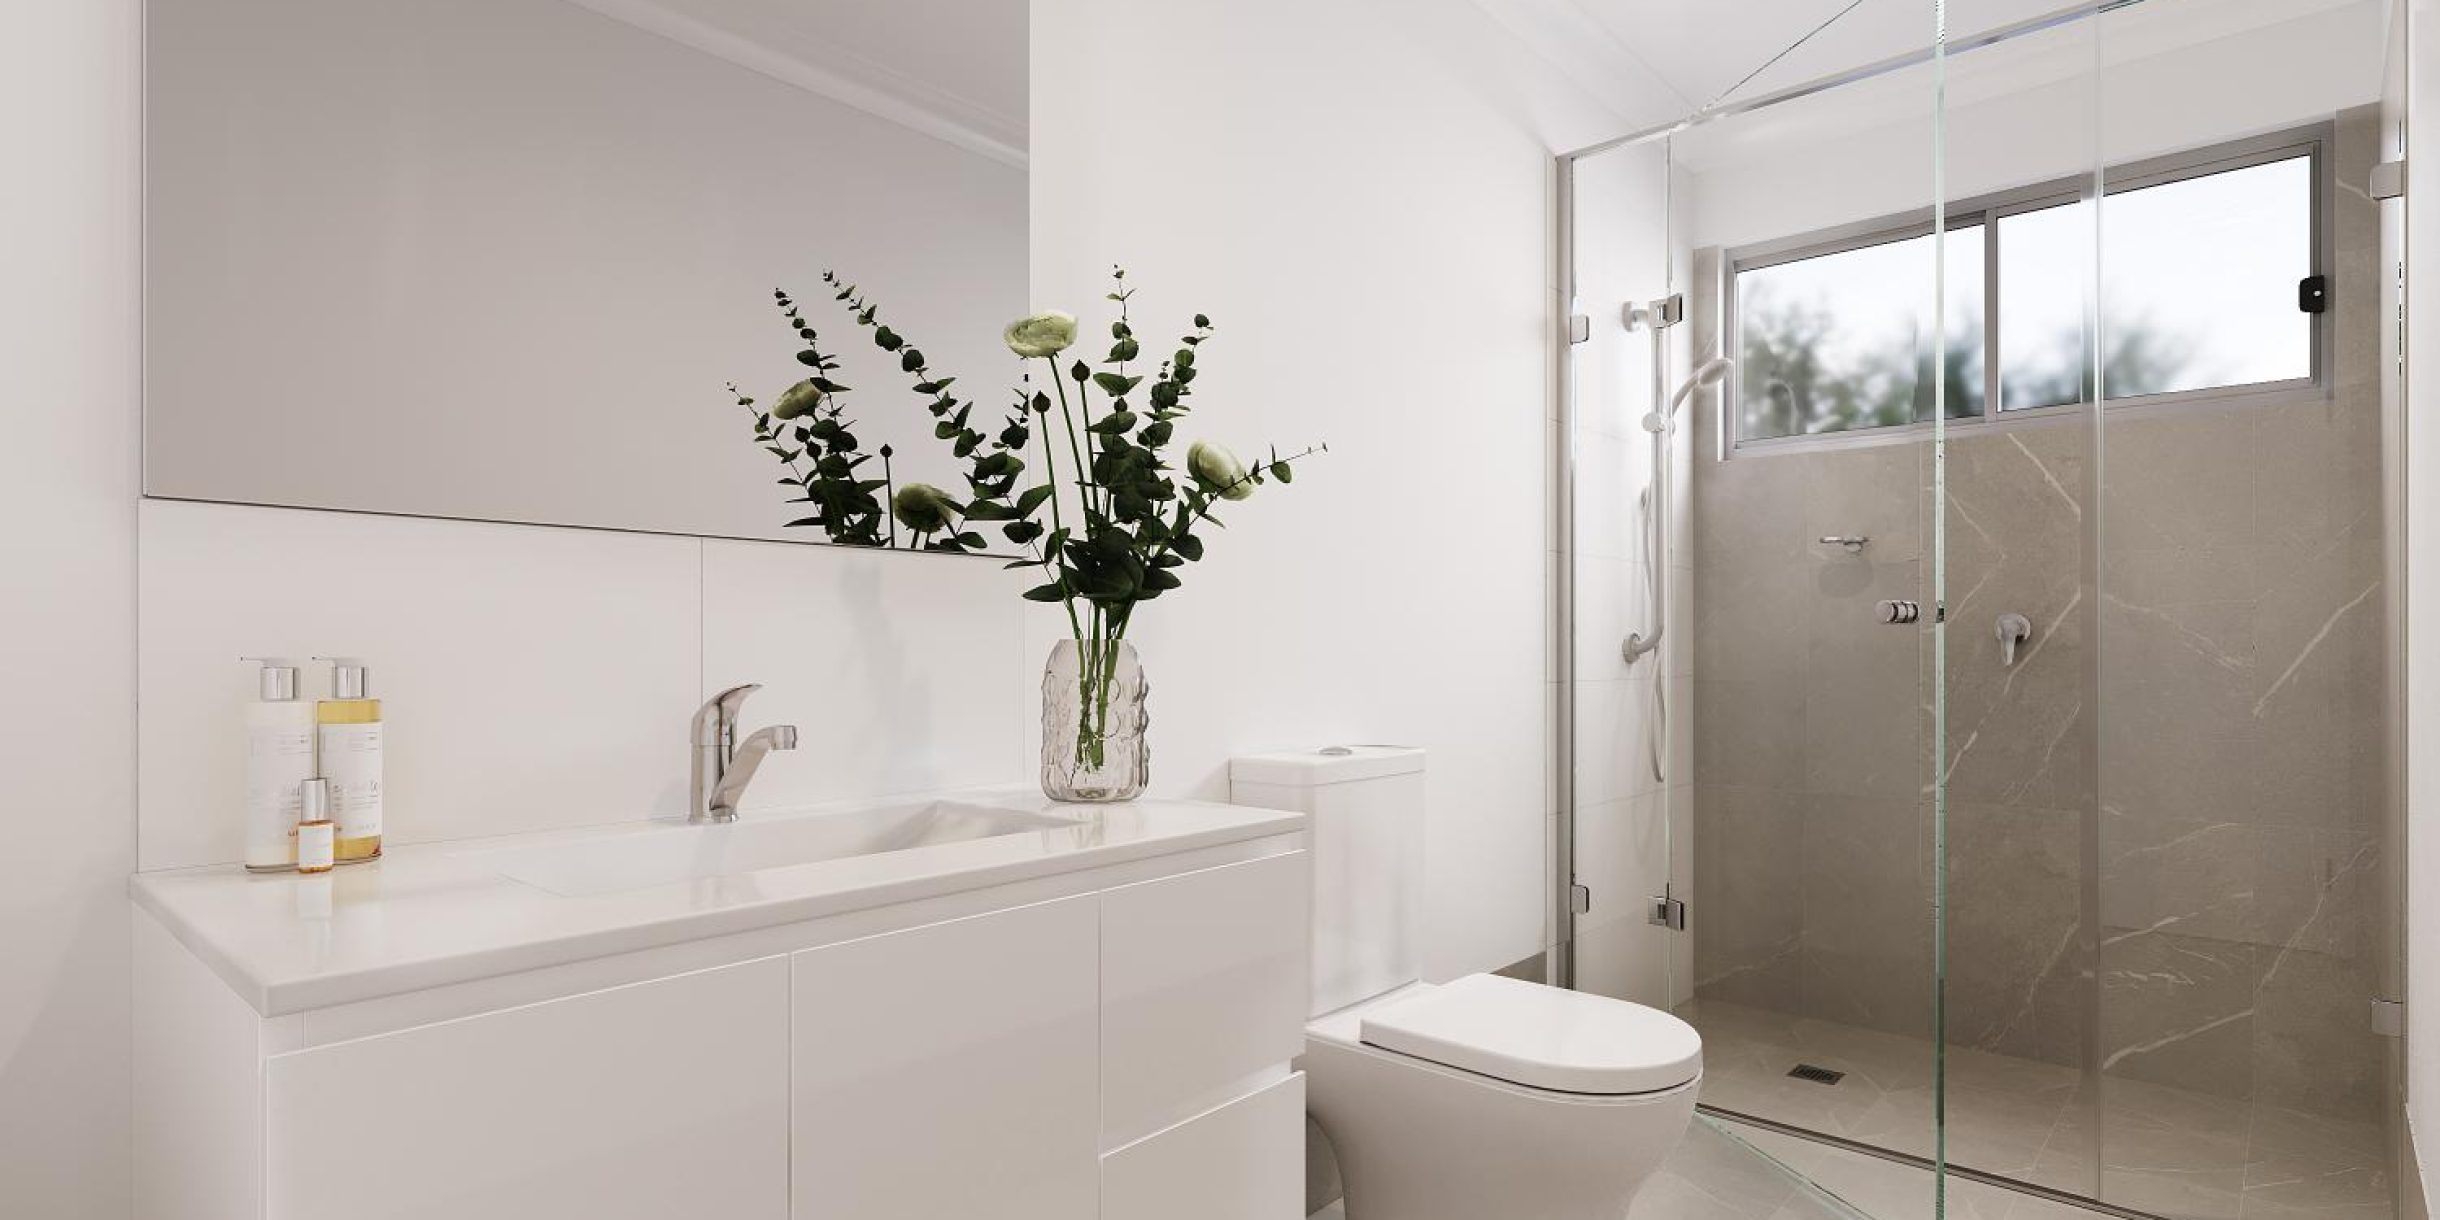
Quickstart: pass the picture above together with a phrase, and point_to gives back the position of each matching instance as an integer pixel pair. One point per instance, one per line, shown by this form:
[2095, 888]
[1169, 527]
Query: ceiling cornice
[851, 81]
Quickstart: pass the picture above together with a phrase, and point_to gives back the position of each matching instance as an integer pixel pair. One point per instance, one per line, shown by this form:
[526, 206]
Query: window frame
[2311, 142]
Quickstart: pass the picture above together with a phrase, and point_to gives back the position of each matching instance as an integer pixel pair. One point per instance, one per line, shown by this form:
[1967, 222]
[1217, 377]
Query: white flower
[1218, 470]
[796, 400]
[1043, 334]
[922, 508]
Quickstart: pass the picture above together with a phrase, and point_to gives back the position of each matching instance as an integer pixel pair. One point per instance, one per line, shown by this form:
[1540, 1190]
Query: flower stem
[1084, 473]
[1050, 555]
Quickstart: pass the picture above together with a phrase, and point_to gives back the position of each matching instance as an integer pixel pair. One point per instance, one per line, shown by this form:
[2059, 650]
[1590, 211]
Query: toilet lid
[1542, 1037]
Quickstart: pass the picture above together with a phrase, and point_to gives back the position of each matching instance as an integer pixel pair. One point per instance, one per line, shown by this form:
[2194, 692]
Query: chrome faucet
[723, 765]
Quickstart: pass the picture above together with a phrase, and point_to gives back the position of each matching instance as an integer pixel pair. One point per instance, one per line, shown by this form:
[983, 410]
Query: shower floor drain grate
[1818, 1075]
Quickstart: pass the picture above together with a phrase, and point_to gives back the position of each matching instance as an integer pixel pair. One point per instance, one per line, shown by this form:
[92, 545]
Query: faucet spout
[740, 771]
[723, 766]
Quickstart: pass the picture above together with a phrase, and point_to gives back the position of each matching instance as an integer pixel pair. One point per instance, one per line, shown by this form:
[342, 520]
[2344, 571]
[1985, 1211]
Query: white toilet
[1482, 1097]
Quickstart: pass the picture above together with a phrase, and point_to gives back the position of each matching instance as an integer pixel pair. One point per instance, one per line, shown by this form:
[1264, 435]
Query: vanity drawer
[659, 1099]
[1204, 985]
[948, 1070]
[1243, 1161]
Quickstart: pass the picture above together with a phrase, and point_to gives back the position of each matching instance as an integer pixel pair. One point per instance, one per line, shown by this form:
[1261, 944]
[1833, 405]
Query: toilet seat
[1537, 1036]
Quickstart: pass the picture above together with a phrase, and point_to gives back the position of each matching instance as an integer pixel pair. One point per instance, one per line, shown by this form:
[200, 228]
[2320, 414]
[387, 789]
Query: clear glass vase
[1093, 722]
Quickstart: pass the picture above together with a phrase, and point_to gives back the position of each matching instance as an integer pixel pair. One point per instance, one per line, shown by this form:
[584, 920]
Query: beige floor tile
[2181, 1154]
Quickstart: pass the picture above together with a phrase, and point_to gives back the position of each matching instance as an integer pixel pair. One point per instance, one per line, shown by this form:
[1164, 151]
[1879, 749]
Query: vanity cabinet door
[660, 1099]
[1243, 1161]
[1204, 986]
[949, 1070]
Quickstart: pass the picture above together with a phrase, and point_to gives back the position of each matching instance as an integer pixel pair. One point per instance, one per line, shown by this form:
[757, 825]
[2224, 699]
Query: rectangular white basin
[664, 856]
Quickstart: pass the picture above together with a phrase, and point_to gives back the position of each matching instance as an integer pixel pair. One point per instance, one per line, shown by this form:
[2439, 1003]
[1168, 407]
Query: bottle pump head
[350, 677]
[278, 680]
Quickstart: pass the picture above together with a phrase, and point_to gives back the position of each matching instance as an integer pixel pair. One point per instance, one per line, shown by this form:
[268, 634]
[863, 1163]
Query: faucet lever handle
[718, 715]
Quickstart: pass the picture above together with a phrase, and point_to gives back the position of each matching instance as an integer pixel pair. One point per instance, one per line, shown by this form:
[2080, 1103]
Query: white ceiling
[955, 69]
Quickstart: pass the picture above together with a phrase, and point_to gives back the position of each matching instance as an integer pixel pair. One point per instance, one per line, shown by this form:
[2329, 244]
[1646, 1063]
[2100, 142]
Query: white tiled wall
[535, 678]
[902, 672]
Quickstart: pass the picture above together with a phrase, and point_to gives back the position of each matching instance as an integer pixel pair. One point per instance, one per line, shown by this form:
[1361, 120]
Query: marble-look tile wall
[2198, 714]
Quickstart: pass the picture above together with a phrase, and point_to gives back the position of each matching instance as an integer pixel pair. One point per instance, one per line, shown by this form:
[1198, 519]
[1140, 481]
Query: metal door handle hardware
[1853, 542]
[1898, 611]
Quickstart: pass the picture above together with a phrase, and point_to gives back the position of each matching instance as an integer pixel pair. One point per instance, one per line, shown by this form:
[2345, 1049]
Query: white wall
[536, 678]
[1363, 207]
[67, 503]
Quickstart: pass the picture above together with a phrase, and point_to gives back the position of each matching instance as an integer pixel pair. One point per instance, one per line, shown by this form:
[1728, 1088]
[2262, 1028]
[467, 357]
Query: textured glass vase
[1093, 722]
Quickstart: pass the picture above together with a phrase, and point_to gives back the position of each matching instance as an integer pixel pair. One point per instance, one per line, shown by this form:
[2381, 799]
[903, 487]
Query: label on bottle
[316, 850]
[277, 760]
[351, 761]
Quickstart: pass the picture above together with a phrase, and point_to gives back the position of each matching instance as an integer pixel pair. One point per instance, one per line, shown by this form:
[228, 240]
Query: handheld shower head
[1705, 374]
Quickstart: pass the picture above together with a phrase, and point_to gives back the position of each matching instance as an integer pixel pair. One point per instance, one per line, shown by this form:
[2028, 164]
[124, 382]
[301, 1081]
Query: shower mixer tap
[2012, 629]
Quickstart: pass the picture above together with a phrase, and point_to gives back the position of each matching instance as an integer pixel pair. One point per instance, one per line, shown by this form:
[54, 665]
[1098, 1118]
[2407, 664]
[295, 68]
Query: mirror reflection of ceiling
[883, 56]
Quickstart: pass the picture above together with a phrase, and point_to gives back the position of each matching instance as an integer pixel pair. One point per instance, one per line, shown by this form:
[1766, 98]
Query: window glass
[2198, 292]
[2198, 281]
[1843, 340]
[2046, 266]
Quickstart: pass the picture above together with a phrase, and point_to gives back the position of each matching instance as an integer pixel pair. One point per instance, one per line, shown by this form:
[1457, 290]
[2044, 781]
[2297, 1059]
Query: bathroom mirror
[497, 259]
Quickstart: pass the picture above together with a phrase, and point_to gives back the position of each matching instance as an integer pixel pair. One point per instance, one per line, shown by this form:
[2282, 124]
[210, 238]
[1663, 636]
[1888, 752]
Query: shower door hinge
[1668, 911]
[2389, 1018]
[1580, 899]
[1579, 328]
[2389, 180]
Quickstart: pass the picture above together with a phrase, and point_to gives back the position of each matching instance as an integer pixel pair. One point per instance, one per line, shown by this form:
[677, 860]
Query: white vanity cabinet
[1112, 1042]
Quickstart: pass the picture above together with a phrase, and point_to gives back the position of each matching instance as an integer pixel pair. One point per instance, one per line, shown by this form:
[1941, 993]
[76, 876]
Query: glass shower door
[1748, 693]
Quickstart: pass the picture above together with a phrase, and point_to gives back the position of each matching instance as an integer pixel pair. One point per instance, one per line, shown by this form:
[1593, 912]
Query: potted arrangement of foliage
[1109, 522]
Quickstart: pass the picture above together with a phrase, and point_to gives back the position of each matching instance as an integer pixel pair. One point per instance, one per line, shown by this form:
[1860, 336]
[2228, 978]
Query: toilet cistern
[723, 766]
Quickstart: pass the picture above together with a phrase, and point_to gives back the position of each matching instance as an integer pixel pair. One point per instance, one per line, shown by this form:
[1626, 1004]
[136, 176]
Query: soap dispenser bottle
[279, 758]
[350, 742]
